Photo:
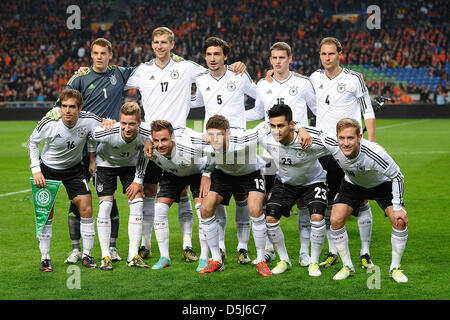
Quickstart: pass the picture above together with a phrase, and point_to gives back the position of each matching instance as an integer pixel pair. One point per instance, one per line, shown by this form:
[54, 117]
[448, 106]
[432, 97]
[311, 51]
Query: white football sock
[45, 238]
[242, 224]
[104, 226]
[221, 217]
[318, 231]
[204, 254]
[331, 246]
[186, 218]
[135, 226]
[276, 236]
[147, 223]
[398, 242]
[162, 228]
[304, 229]
[269, 245]
[87, 230]
[211, 230]
[259, 231]
[365, 228]
[340, 239]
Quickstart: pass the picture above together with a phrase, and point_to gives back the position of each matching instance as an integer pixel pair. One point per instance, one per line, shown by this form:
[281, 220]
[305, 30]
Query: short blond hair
[283, 46]
[131, 108]
[331, 40]
[102, 42]
[163, 30]
[348, 123]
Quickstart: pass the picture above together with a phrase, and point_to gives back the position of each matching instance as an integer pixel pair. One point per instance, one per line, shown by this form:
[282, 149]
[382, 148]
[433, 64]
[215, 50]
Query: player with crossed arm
[342, 93]
[288, 87]
[120, 155]
[370, 173]
[222, 92]
[61, 159]
[165, 87]
[183, 165]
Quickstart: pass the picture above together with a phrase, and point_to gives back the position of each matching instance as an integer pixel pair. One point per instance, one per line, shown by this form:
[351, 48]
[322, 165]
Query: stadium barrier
[35, 111]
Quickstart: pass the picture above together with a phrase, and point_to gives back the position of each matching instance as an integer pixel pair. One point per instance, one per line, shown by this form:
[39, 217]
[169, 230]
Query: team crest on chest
[293, 90]
[231, 86]
[113, 80]
[81, 132]
[300, 154]
[360, 167]
[340, 87]
[174, 74]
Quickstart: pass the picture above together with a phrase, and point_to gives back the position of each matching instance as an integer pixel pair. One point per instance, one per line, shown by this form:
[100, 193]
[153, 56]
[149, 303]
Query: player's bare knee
[150, 190]
[270, 219]
[206, 211]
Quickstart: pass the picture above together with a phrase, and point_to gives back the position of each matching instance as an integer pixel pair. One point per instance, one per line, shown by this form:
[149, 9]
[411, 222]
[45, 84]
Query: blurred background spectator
[39, 54]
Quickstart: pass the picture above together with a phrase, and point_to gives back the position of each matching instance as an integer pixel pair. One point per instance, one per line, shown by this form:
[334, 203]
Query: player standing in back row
[165, 86]
[223, 93]
[342, 93]
[293, 89]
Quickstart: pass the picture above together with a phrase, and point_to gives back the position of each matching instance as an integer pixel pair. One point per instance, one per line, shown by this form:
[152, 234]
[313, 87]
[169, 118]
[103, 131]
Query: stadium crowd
[38, 53]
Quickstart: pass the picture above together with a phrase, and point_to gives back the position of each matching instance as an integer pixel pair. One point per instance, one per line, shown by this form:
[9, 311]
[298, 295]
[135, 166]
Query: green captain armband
[175, 57]
[54, 113]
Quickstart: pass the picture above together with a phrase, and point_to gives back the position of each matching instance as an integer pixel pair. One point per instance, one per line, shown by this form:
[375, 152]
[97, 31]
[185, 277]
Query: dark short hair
[216, 42]
[159, 125]
[217, 121]
[280, 110]
[71, 93]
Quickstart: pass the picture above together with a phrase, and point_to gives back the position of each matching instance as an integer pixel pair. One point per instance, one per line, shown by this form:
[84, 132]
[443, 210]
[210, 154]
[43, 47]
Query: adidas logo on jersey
[208, 89]
[152, 78]
[321, 86]
[269, 92]
[91, 86]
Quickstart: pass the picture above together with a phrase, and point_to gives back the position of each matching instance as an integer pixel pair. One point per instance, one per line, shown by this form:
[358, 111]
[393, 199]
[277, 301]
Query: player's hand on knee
[133, 190]
[400, 218]
[205, 185]
[54, 113]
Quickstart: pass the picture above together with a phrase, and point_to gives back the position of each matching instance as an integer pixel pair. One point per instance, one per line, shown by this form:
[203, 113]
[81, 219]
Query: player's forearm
[370, 125]
[33, 152]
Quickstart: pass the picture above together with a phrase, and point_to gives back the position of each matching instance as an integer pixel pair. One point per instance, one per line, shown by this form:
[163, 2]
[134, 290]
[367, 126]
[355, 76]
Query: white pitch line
[419, 152]
[401, 124]
[13, 193]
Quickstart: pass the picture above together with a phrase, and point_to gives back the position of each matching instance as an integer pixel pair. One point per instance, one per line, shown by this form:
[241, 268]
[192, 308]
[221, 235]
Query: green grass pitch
[420, 147]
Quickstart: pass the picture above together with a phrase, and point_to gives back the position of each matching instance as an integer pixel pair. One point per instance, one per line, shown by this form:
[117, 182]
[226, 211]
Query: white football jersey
[372, 167]
[63, 146]
[296, 166]
[239, 159]
[188, 156]
[166, 92]
[225, 95]
[113, 151]
[296, 91]
[345, 96]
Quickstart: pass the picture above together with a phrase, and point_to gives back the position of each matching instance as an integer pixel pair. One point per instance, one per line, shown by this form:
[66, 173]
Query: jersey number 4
[327, 100]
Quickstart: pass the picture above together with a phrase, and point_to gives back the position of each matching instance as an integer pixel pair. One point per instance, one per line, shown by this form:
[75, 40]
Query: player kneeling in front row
[120, 155]
[172, 150]
[299, 176]
[370, 173]
[61, 160]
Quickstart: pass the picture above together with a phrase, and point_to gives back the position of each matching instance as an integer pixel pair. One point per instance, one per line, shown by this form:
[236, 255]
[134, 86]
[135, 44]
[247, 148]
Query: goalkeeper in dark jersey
[101, 86]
